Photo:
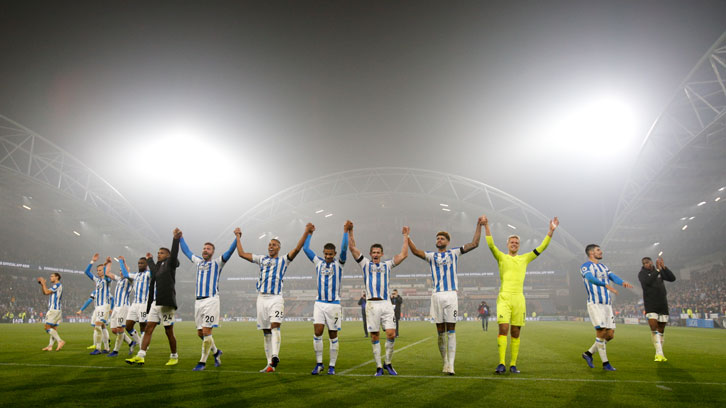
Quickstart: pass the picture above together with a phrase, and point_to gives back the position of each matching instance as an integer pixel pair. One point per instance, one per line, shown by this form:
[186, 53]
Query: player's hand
[554, 223]
[121, 257]
[177, 233]
[405, 230]
[310, 228]
[108, 260]
[611, 289]
[41, 280]
[78, 313]
[627, 285]
[483, 220]
[94, 258]
[350, 225]
[347, 226]
[238, 231]
[148, 255]
[659, 263]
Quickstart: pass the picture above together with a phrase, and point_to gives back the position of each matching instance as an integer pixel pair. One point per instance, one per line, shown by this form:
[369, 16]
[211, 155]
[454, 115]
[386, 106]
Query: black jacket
[163, 278]
[654, 291]
[397, 302]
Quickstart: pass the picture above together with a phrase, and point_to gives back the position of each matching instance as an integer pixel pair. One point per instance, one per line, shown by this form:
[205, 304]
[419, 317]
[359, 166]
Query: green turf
[553, 373]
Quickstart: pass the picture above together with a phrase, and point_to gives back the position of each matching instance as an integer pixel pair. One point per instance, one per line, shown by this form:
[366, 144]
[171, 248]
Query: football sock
[119, 340]
[174, 355]
[451, 355]
[515, 350]
[318, 347]
[127, 339]
[601, 349]
[377, 352]
[206, 347]
[657, 343]
[52, 340]
[389, 349]
[54, 335]
[593, 348]
[97, 335]
[276, 340]
[268, 346]
[213, 349]
[442, 347]
[333, 351]
[135, 336]
[104, 338]
[141, 353]
[502, 348]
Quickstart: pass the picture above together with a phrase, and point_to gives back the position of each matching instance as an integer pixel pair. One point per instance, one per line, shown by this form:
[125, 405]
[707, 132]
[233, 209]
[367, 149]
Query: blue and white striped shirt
[208, 272]
[141, 286]
[376, 277]
[101, 291]
[595, 276]
[328, 277]
[54, 302]
[122, 295]
[443, 269]
[272, 271]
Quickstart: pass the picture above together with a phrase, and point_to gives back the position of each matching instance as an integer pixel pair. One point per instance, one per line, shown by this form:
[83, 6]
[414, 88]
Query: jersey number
[209, 319]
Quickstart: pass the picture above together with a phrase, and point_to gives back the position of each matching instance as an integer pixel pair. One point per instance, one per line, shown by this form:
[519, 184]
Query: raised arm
[90, 265]
[150, 263]
[309, 228]
[230, 251]
[45, 289]
[419, 253]
[351, 242]
[185, 248]
[306, 247]
[174, 257]
[124, 270]
[477, 236]
[404, 250]
[490, 241]
[554, 223]
[240, 251]
[665, 273]
[107, 269]
[344, 243]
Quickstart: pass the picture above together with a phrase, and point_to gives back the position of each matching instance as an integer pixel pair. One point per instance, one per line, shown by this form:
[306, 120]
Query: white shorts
[161, 314]
[329, 314]
[100, 314]
[659, 317]
[137, 313]
[444, 307]
[379, 313]
[53, 317]
[118, 316]
[270, 309]
[601, 315]
[206, 312]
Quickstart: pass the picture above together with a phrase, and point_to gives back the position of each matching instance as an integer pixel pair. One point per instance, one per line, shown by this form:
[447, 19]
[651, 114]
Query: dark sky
[289, 91]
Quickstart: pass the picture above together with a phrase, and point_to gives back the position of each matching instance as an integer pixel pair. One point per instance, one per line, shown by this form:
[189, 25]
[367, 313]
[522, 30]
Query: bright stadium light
[444, 205]
[261, 236]
[77, 233]
[690, 218]
[701, 203]
[328, 215]
[319, 211]
[660, 253]
[605, 123]
[656, 244]
[511, 226]
[684, 227]
[721, 189]
[26, 207]
[446, 209]
[717, 199]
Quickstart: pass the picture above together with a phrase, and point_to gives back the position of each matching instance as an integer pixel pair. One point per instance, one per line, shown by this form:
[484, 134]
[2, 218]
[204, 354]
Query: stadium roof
[674, 199]
[49, 196]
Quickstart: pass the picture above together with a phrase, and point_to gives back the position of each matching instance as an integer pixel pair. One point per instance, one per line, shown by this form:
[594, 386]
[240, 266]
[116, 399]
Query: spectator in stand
[397, 302]
[484, 315]
[362, 304]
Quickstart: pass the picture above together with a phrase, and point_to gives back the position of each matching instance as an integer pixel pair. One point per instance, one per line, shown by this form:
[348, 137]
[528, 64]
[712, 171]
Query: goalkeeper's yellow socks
[515, 351]
[502, 347]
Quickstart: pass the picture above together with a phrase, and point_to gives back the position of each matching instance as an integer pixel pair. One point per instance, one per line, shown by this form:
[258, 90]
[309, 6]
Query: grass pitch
[553, 373]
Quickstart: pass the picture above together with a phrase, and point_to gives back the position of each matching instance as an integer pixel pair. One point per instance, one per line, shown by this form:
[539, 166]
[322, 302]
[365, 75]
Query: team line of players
[154, 298]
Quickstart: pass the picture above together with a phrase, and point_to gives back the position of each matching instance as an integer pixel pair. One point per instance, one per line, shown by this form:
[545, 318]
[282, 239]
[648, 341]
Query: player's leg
[49, 347]
[263, 323]
[389, 325]
[277, 309]
[451, 311]
[373, 317]
[504, 317]
[334, 321]
[519, 312]
[167, 317]
[654, 334]
[437, 314]
[318, 327]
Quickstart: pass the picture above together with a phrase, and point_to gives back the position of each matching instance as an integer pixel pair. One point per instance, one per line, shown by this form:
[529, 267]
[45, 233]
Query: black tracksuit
[163, 278]
[654, 291]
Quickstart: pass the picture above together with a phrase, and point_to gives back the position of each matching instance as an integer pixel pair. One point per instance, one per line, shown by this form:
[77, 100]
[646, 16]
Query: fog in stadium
[122, 121]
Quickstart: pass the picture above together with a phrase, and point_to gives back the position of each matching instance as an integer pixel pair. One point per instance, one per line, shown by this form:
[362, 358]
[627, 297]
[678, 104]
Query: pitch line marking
[442, 377]
[344, 372]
